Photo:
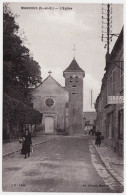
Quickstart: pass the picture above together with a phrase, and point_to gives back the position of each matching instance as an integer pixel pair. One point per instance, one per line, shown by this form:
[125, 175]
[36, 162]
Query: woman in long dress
[26, 144]
[98, 138]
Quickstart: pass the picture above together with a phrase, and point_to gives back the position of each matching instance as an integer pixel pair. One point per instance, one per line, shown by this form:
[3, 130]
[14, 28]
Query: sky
[51, 35]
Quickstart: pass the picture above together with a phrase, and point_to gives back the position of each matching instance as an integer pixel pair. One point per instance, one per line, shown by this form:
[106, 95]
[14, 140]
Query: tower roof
[73, 67]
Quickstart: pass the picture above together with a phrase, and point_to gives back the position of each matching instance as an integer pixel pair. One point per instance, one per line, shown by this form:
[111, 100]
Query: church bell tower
[74, 84]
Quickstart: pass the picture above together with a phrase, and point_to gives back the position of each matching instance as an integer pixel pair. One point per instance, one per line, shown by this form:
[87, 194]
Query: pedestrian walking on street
[98, 138]
[26, 144]
[90, 131]
[93, 132]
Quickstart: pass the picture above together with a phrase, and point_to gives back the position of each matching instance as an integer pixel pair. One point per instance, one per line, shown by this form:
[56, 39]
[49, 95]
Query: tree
[20, 71]
[15, 111]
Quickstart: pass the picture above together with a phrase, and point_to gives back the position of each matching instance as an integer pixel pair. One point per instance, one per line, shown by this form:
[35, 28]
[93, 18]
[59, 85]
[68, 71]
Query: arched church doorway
[49, 124]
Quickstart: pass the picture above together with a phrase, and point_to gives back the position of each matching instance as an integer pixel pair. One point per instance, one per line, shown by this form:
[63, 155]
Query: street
[65, 164]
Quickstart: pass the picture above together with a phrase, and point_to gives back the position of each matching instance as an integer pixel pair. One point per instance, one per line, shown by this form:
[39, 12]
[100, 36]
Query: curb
[10, 153]
[110, 170]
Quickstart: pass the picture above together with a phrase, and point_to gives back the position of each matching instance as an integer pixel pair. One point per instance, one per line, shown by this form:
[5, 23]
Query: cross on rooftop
[74, 51]
[49, 73]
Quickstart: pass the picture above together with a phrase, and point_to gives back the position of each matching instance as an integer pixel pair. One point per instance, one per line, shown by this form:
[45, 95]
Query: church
[62, 107]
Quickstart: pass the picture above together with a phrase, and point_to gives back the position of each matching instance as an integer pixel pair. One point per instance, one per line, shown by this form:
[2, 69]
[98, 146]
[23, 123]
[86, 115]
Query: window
[73, 89]
[110, 86]
[76, 79]
[121, 75]
[120, 120]
[49, 102]
[70, 78]
[67, 105]
[114, 82]
[110, 125]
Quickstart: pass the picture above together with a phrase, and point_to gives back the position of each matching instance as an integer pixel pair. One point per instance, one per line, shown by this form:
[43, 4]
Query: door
[49, 125]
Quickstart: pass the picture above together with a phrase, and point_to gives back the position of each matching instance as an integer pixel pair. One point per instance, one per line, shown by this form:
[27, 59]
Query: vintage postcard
[63, 97]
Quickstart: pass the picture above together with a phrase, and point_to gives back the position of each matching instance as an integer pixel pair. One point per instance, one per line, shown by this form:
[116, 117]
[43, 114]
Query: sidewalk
[15, 146]
[113, 163]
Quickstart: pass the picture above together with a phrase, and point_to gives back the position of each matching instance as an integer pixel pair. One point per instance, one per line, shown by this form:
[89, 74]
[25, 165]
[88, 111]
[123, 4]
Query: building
[110, 113]
[62, 107]
[74, 84]
[89, 119]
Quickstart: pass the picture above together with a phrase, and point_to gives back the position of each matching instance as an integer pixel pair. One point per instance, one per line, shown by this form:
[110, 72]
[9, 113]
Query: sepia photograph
[63, 97]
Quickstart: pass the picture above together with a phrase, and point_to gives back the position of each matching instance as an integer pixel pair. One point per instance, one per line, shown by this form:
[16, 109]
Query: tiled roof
[73, 67]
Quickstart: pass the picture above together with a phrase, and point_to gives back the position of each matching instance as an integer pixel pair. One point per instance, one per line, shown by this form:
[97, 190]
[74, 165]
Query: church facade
[62, 107]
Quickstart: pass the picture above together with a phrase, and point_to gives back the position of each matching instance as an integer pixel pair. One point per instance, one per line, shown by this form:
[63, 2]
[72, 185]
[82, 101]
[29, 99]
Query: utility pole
[92, 104]
[107, 26]
[107, 31]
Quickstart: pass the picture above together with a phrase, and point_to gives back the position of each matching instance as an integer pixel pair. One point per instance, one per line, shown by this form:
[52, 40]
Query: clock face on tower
[73, 76]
